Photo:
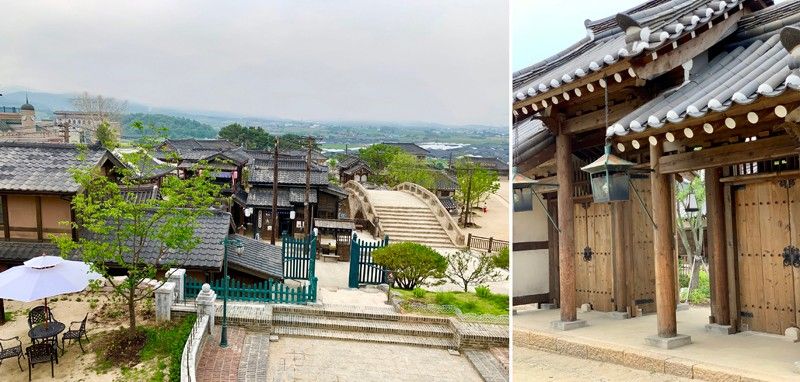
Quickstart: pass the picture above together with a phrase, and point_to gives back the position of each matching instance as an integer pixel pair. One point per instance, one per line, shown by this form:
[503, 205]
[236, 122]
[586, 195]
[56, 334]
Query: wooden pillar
[566, 239]
[663, 246]
[619, 258]
[715, 208]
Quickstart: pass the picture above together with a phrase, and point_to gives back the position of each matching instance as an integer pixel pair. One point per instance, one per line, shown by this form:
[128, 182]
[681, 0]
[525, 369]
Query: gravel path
[536, 365]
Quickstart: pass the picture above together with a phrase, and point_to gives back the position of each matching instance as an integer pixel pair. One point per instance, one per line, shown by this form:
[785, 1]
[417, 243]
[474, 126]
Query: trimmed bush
[483, 291]
[411, 263]
[501, 259]
[419, 292]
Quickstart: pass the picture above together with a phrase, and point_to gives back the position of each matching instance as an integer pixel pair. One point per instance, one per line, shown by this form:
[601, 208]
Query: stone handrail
[442, 215]
[357, 191]
[192, 349]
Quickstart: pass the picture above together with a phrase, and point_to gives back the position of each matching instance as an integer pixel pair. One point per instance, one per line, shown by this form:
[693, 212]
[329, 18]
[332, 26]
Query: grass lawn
[494, 304]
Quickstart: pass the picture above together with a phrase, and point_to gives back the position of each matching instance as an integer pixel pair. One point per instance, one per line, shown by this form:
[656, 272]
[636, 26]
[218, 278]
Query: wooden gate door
[343, 247]
[362, 269]
[766, 217]
[594, 277]
[641, 273]
[299, 257]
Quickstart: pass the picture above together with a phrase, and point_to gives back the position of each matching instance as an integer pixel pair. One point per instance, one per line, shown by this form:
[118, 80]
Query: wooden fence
[488, 244]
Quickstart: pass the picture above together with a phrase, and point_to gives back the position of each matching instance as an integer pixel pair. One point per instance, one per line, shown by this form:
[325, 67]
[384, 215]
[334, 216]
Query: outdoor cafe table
[46, 330]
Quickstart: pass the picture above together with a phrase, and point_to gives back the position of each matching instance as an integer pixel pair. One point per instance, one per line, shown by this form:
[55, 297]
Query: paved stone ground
[537, 365]
[254, 361]
[218, 364]
[487, 365]
[313, 359]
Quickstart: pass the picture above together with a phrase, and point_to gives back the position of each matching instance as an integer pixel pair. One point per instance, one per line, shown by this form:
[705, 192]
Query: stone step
[429, 243]
[403, 208]
[395, 215]
[362, 325]
[398, 339]
[356, 312]
[410, 221]
[412, 228]
[418, 235]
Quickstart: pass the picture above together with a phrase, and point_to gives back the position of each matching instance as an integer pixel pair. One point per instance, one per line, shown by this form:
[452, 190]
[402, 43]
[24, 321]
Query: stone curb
[630, 357]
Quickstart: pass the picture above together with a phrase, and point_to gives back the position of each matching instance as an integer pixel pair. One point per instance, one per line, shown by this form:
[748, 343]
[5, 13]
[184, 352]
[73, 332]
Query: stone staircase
[362, 325]
[417, 224]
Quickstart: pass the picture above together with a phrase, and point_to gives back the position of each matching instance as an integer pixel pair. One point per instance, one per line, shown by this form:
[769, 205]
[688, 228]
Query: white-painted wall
[530, 267]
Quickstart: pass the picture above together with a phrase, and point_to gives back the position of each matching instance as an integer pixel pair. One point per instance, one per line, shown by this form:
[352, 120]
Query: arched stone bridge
[409, 212]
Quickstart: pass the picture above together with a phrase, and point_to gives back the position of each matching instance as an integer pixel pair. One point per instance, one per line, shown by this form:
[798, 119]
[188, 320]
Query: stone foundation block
[720, 329]
[680, 367]
[547, 306]
[619, 315]
[606, 353]
[567, 325]
[645, 360]
[571, 348]
[669, 342]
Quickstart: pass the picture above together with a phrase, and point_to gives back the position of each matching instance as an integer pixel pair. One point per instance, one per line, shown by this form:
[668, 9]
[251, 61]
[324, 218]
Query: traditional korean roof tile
[14, 251]
[44, 167]
[445, 181]
[411, 148]
[361, 166]
[259, 258]
[754, 64]
[637, 31]
[200, 144]
[448, 203]
[489, 162]
[335, 224]
[262, 196]
[289, 172]
[529, 137]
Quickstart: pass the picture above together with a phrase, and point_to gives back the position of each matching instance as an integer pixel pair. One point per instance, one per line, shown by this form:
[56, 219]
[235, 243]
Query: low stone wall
[192, 349]
[480, 336]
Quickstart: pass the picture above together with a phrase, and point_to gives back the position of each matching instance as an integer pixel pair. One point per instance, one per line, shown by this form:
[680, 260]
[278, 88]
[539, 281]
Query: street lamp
[610, 177]
[223, 341]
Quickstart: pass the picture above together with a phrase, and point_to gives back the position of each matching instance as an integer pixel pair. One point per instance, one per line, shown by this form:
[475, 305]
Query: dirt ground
[493, 222]
[73, 365]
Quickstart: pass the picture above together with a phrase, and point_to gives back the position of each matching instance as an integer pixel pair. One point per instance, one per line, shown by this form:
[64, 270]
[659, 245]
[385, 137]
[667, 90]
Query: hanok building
[446, 185]
[221, 156]
[411, 148]
[323, 197]
[352, 168]
[674, 87]
[490, 163]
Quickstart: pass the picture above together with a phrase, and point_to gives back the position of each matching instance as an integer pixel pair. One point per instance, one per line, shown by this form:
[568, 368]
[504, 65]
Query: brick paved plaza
[306, 359]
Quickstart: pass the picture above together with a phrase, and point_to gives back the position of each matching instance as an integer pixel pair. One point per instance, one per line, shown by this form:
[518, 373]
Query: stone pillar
[165, 296]
[177, 276]
[665, 272]
[206, 305]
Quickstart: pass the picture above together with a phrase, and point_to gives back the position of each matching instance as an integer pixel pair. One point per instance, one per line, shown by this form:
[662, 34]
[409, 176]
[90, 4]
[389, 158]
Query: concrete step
[355, 311]
[417, 236]
[399, 339]
[362, 325]
[409, 220]
[430, 243]
[403, 208]
[412, 227]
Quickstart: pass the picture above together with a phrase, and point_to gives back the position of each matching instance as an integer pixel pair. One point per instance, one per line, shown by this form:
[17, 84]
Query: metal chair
[42, 353]
[73, 335]
[7, 352]
[39, 315]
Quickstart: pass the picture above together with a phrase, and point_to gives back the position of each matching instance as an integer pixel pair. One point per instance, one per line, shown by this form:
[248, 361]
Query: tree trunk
[132, 309]
[2, 312]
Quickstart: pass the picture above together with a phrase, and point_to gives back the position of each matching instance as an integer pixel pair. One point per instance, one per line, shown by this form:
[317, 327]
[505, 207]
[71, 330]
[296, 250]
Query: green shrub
[701, 294]
[483, 291]
[683, 279]
[445, 298]
[411, 263]
[419, 292]
[501, 259]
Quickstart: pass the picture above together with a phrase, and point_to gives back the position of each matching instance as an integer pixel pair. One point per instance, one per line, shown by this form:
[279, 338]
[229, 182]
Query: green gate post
[354, 259]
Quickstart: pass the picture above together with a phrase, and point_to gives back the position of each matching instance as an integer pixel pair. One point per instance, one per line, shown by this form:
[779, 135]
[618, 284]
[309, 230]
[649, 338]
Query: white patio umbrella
[43, 277]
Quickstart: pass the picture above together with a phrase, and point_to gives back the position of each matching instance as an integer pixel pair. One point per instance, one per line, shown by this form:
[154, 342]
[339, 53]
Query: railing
[442, 215]
[488, 244]
[265, 291]
[192, 348]
[359, 195]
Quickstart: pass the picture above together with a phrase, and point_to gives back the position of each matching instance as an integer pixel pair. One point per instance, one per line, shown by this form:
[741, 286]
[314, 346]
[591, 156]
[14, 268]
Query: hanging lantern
[609, 176]
[691, 204]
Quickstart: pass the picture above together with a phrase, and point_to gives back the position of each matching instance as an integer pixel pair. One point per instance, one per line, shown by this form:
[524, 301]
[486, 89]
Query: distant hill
[179, 127]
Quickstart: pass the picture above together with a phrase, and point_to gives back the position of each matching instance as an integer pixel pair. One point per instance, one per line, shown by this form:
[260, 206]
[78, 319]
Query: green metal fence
[362, 269]
[299, 257]
[265, 291]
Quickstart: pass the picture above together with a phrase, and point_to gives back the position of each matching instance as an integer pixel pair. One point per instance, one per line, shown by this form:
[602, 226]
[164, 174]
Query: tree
[297, 142]
[140, 236]
[252, 138]
[106, 136]
[694, 222]
[378, 156]
[465, 268]
[411, 263]
[475, 184]
[501, 260]
[178, 127]
[99, 109]
[405, 167]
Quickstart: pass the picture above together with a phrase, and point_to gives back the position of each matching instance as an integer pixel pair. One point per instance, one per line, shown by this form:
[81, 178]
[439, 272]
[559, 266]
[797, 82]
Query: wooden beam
[619, 257]
[688, 50]
[761, 149]
[661, 192]
[715, 207]
[566, 238]
[596, 119]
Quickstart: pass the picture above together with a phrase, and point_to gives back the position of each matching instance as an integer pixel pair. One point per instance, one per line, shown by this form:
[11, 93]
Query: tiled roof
[358, 166]
[289, 172]
[258, 258]
[639, 30]
[489, 162]
[410, 148]
[194, 144]
[743, 72]
[15, 251]
[448, 203]
[529, 137]
[445, 181]
[44, 167]
[262, 196]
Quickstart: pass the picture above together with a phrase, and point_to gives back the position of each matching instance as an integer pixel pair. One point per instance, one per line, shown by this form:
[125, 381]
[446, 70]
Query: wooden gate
[299, 257]
[343, 247]
[766, 218]
[641, 268]
[594, 277]
[362, 269]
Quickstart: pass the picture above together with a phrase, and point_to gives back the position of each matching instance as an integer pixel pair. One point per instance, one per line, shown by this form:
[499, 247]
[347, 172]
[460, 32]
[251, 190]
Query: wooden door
[594, 278]
[642, 262]
[766, 216]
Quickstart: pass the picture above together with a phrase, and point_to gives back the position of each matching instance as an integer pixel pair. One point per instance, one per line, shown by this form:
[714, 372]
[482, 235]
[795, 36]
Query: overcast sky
[433, 61]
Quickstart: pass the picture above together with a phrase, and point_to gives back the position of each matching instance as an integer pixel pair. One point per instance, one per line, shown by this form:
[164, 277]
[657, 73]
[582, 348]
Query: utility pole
[275, 192]
[467, 208]
[306, 206]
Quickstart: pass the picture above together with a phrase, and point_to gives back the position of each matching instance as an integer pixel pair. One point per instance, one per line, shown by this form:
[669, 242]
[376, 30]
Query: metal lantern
[609, 177]
[691, 204]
